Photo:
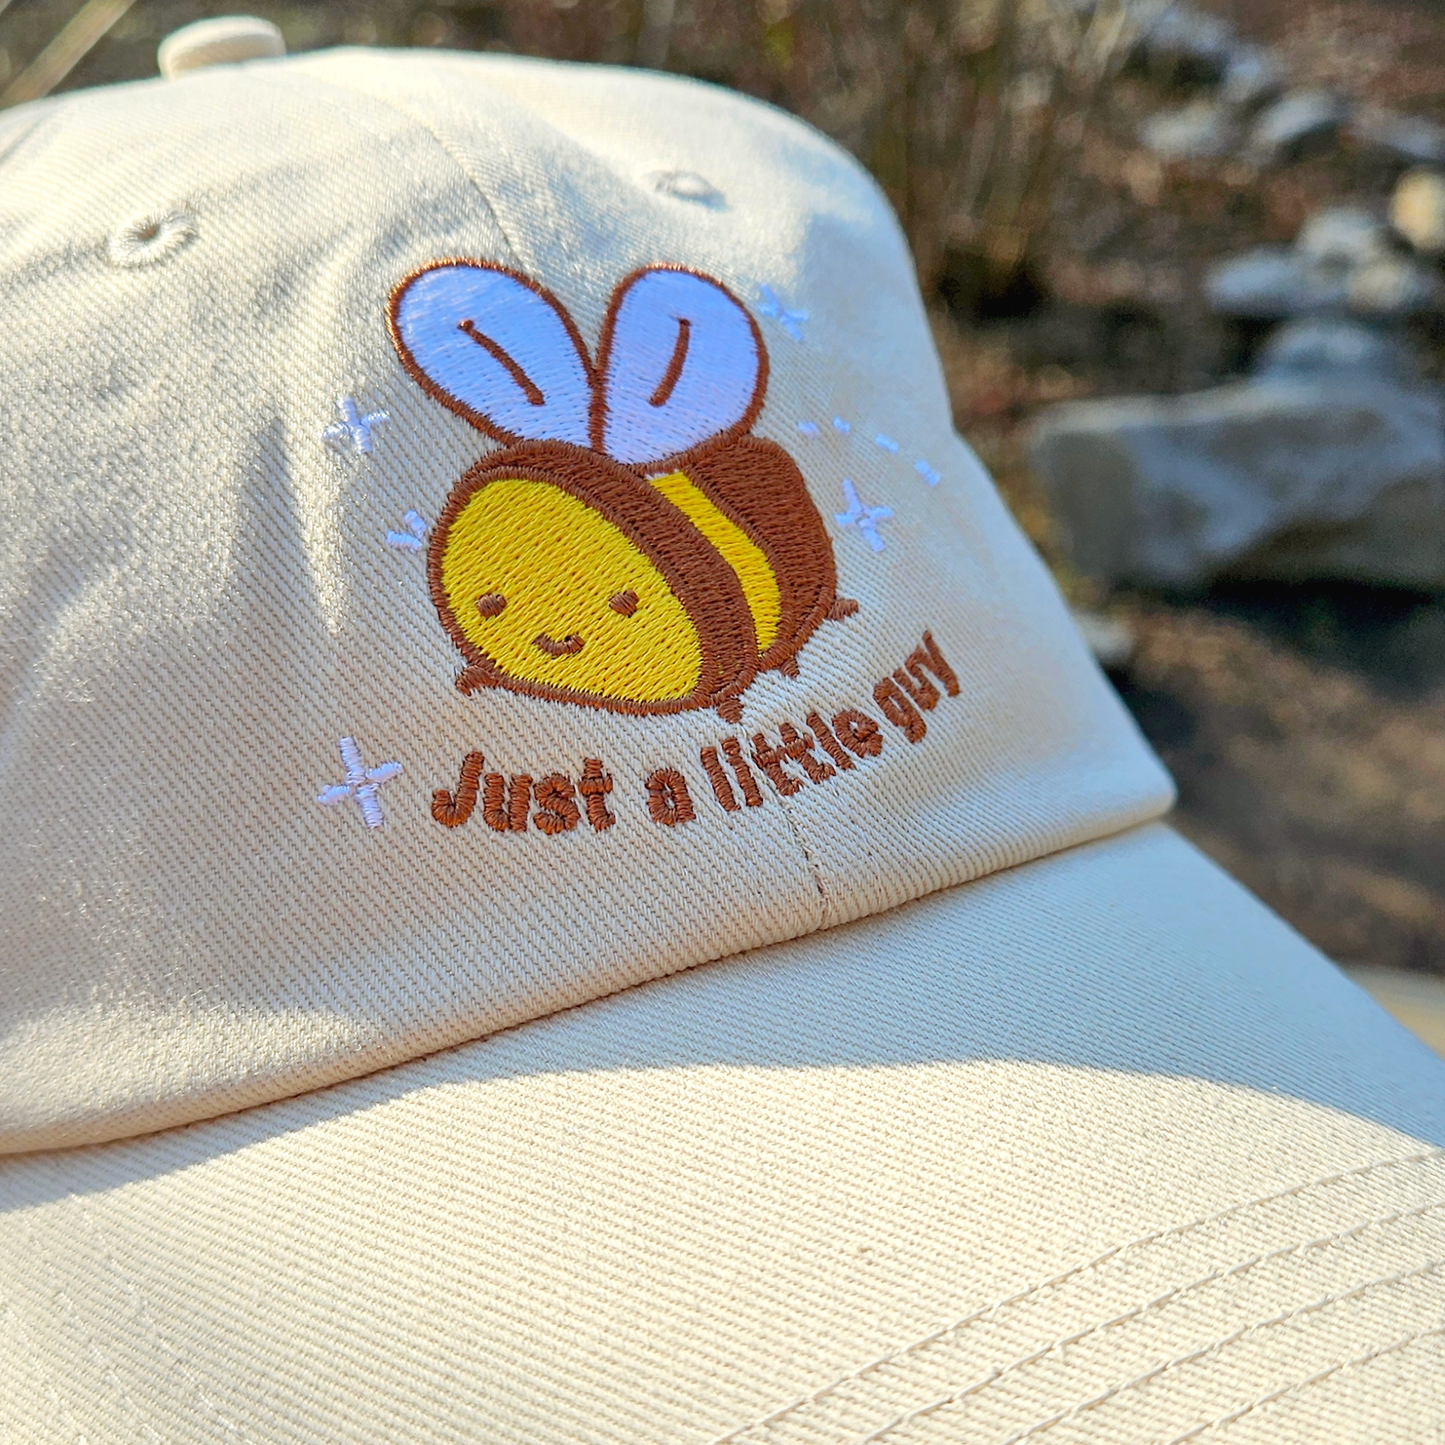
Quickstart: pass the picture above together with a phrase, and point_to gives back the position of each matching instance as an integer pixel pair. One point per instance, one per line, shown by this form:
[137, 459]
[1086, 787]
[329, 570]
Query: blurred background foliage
[1064, 257]
[965, 113]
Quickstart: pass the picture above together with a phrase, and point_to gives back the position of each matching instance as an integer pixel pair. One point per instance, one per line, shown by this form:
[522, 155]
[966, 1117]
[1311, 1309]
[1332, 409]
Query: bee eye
[490, 604]
[624, 602]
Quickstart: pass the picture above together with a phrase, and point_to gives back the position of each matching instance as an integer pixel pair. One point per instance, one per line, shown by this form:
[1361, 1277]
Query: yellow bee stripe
[738, 550]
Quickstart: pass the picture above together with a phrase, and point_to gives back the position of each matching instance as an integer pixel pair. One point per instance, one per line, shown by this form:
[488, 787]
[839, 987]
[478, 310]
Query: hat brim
[1096, 1149]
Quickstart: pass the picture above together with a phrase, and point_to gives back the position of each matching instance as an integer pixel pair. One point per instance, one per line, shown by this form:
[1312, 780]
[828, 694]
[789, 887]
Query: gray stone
[1287, 129]
[1180, 42]
[1193, 132]
[1343, 236]
[1342, 262]
[1268, 283]
[1390, 287]
[1331, 344]
[1286, 477]
[1348, 246]
[1253, 76]
[1417, 210]
[1407, 139]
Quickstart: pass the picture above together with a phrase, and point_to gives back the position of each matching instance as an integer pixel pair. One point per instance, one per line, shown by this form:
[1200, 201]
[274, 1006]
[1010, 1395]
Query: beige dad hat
[564, 874]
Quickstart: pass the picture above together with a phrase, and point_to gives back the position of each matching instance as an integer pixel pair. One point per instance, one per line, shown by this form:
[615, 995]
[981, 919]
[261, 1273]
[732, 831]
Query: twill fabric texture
[1019, 1161]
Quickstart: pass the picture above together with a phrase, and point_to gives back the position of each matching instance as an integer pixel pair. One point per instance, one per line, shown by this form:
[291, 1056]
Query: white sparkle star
[790, 320]
[866, 519]
[414, 538]
[355, 427]
[361, 785]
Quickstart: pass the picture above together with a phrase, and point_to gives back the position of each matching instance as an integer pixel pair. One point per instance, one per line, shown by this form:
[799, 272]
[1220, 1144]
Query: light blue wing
[681, 361]
[495, 349]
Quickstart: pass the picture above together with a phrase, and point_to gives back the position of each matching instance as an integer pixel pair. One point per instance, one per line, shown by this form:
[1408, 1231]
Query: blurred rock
[1391, 287]
[1350, 247]
[1181, 43]
[1402, 138]
[1252, 77]
[1194, 132]
[1417, 210]
[1110, 639]
[1334, 344]
[1344, 236]
[1343, 261]
[1268, 283]
[1281, 477]
[1295, 124]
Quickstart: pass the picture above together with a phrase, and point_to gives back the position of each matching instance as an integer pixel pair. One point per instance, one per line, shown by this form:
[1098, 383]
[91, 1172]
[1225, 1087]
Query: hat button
[225, 40]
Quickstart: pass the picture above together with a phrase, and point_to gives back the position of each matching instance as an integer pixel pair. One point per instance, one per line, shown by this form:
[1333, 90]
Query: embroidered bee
[634, 548]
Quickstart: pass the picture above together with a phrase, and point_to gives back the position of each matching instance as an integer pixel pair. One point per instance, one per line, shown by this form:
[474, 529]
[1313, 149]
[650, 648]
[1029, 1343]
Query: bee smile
[570, 644]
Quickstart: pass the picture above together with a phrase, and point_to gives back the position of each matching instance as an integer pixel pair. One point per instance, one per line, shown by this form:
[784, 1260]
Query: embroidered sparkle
[361, 785]
[414, 538]
[355, 427]
[866, 519]
[790, 320]
[928, 473]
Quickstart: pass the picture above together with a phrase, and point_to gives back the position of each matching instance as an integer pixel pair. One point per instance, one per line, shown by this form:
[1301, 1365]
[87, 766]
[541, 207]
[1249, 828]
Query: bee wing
[681, 362]
[496, 349]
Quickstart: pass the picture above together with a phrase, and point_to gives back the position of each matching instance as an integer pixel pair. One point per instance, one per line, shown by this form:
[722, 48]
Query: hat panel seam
[1286, 1317]
[340, 88]
[760, 1427]
[1214, 1276]
[1298, 1387]
[897, 1428]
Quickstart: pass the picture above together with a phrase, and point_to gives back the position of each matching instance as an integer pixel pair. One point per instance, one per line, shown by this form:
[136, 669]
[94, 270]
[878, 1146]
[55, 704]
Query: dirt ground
[1304, 725]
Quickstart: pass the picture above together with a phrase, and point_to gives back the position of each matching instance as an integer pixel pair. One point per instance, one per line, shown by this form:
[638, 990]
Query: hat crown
[457, 571]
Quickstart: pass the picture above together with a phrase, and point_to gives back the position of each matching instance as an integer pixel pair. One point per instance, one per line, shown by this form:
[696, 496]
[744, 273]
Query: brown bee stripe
[758, 487]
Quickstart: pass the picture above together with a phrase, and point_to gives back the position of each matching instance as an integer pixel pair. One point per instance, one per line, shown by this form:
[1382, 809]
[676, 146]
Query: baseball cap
[565, 873]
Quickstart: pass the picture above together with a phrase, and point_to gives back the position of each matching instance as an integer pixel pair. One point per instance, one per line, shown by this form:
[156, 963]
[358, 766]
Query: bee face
[561, 574]
[598, 617]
